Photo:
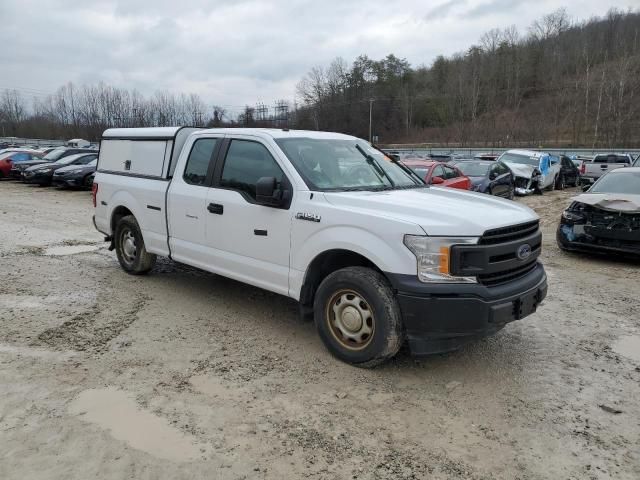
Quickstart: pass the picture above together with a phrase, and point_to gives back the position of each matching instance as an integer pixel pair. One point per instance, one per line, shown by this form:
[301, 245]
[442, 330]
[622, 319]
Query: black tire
[130, 249]
[372, 294]
[512, 194]
[86, 181]
[560, 182]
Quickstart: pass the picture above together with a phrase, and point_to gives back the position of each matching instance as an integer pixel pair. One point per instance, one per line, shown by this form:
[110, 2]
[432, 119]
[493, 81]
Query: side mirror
[493, 175]
[585, 188]
[268, 193]
[437, 180]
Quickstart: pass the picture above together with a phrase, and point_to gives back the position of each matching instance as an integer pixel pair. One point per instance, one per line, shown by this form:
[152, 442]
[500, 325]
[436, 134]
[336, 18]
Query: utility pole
[370, 120]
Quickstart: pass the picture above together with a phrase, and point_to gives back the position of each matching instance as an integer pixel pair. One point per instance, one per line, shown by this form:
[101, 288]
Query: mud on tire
[357, 316]
[130, 249]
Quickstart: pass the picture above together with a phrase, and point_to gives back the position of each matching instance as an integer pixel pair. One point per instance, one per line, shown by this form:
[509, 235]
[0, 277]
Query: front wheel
[560, 183]
[358, 317]
[130, 249]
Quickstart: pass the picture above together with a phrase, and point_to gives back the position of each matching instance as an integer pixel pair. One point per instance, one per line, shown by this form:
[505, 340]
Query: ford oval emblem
[524, 251]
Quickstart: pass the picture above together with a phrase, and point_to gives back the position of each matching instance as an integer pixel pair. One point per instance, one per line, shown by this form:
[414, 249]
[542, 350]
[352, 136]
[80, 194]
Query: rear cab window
[200, 158]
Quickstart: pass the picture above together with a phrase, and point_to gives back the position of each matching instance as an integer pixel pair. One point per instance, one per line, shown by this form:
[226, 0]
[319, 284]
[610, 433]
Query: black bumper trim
[441, 318]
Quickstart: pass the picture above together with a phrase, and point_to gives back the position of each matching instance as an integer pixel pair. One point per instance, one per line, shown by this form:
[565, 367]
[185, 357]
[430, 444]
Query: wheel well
[117, 214]
[327, 263]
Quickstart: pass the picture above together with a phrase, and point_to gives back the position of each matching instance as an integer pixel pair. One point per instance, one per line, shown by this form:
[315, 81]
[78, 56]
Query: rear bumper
[441, 318]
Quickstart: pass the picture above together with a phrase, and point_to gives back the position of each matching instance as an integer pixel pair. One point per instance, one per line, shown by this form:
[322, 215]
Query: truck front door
[249, 242]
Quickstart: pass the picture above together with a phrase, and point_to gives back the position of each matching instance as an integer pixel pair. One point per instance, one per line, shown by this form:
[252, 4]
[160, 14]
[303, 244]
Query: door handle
[215, 208]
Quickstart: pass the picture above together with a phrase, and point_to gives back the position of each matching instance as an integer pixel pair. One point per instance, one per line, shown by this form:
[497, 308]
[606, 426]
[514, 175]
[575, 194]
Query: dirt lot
[183, 374]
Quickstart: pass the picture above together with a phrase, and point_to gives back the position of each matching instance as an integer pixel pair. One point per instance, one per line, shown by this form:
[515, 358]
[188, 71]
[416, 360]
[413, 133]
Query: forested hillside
[560, 83]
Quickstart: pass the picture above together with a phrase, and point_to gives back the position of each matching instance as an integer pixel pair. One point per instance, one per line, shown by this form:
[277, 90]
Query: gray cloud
[494, 6]
[444, 9]
[236, 52]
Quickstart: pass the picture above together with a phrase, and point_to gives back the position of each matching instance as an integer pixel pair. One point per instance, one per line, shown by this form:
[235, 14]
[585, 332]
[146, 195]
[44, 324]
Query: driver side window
[246, 162]
[438, 171]
[449, 173]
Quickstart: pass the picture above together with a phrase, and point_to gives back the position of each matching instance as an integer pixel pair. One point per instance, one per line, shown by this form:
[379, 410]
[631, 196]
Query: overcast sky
[239, 51]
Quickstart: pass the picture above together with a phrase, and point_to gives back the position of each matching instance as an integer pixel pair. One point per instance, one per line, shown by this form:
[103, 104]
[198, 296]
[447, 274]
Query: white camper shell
[148, 152]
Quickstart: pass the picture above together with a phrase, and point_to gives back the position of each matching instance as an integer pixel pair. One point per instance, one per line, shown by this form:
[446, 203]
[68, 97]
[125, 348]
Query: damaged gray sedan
[606, 218]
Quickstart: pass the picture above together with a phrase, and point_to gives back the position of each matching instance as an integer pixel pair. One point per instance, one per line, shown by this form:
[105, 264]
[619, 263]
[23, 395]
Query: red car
[439, 173]
[7, 159]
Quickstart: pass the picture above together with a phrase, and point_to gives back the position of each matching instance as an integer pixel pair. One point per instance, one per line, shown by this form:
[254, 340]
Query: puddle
[113, 410]
[70, 249]
[628, 346]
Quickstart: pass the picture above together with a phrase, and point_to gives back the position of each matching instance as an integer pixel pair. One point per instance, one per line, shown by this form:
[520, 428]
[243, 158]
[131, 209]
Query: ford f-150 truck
[374, 255]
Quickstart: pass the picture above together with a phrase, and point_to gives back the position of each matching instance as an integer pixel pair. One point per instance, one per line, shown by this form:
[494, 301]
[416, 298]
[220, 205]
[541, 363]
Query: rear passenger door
[187, 204]
[249, 242]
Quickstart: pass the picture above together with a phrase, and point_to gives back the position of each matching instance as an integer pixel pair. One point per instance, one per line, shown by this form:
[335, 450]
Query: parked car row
[62, 166]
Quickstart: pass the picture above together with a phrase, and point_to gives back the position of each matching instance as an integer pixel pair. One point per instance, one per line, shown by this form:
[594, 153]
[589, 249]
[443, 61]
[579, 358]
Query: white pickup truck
[592, 169]
[372, 253]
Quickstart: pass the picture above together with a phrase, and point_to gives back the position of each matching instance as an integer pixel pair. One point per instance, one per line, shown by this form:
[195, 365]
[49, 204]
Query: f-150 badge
[311, 217]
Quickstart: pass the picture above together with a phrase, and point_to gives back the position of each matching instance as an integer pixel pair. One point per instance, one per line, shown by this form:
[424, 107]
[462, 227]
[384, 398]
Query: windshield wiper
[376, 166]
[406, 169]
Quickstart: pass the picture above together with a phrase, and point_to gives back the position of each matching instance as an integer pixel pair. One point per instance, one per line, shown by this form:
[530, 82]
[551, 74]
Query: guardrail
[31, 141]
[474, 151]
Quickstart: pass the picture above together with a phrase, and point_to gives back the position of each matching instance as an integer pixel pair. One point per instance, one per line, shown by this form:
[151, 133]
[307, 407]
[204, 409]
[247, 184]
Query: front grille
[497, 258]
[497, 278]
[508, 234]
[522, 182]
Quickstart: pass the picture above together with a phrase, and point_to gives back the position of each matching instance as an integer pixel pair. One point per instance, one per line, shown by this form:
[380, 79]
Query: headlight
[72, 172]
[432, 255]
[571, 216]
[44, 170]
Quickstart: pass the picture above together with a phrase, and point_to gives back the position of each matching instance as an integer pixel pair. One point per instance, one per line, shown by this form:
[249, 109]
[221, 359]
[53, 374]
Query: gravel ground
[184, 374]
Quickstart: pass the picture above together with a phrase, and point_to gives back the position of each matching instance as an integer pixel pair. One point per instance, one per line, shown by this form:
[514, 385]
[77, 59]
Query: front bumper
[64, 181]
[572, 237]
[441, 318]
[39, 178]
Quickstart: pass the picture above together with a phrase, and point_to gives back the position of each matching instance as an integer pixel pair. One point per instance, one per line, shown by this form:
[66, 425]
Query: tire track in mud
[86, 331]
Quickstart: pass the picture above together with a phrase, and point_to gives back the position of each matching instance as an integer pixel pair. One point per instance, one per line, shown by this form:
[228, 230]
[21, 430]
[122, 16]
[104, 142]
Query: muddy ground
[183, 374]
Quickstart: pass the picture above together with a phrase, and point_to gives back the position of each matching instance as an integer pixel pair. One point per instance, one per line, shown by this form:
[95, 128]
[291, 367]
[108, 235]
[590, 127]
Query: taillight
[583, 168]
[94, 193]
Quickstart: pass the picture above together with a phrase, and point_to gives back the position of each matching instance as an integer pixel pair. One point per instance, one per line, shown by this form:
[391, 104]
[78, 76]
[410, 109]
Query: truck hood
[439, 211]
[520, 170]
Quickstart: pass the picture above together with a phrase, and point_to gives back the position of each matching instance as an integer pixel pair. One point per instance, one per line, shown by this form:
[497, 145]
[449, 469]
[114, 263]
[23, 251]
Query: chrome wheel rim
[129, 248]
[350, 319]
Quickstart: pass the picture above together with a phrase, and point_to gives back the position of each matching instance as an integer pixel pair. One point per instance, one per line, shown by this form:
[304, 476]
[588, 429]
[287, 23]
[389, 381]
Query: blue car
[488, 176]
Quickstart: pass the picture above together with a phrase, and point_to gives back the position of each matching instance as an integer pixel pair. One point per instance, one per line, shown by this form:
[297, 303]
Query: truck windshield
[335, 164]
[624, 182]
[521, 159]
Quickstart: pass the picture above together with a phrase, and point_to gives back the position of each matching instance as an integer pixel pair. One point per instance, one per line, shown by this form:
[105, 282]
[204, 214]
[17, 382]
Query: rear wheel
[560, 182]
[358, 317]
[130, 249]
